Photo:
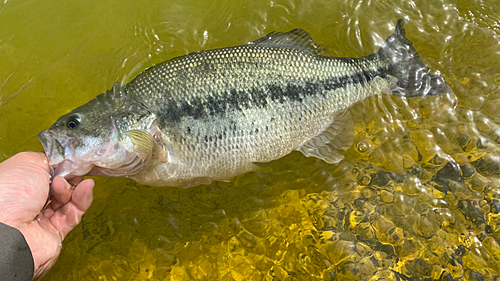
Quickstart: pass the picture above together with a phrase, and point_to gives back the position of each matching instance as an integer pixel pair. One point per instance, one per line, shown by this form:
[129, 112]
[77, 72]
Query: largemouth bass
[212, 114]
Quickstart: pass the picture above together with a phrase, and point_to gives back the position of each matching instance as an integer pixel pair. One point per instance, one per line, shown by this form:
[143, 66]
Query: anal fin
[338, 135]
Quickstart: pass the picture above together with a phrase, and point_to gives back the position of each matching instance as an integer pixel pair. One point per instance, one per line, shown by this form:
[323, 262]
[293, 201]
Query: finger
[75, 181]
[62, 190]
[69, 216]
[61, 193]
[48, 212]
[35, 158]
[83, 196]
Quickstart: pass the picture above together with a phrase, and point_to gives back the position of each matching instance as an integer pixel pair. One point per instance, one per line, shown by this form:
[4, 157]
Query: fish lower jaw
[127, 166]
[69, 169]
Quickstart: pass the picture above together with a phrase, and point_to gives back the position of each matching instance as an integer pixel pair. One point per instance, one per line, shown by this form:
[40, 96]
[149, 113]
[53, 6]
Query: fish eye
[73, 122]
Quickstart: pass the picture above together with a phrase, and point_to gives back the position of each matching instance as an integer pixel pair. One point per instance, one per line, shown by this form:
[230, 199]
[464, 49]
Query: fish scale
[211, 115]
[260, 117]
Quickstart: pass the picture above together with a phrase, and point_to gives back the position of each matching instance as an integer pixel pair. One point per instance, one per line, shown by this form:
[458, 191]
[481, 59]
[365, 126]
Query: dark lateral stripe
[216, 104]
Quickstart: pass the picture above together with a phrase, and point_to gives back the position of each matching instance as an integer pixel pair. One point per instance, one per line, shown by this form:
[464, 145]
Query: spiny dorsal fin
[339, 135]
[143, 142]
[297, 39]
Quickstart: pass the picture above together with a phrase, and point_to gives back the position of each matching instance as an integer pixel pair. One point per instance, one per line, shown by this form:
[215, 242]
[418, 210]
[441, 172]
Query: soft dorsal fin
[339, 135]
[297, 39]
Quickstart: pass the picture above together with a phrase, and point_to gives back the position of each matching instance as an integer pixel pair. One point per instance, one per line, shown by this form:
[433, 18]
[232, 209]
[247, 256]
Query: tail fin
[414, 78]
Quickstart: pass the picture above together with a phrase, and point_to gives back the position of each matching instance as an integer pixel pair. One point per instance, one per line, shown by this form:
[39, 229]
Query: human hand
[24, 189]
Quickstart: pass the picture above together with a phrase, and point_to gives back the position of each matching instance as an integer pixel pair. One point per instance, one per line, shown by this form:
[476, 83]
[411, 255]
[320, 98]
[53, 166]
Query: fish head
[95, 138]
[79, 140]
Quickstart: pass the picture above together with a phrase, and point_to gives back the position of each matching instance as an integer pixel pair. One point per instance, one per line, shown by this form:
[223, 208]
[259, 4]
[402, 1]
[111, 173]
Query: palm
[25, 188]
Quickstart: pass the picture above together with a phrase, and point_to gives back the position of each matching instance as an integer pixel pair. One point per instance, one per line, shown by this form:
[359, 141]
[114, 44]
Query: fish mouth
[106, 157]
[57, 154]
[52, 147]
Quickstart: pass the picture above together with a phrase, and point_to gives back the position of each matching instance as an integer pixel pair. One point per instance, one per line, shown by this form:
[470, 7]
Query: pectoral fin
[339, 135]
[143, 143]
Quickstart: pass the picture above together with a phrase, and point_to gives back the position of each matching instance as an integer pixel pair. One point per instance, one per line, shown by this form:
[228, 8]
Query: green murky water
[416, 197]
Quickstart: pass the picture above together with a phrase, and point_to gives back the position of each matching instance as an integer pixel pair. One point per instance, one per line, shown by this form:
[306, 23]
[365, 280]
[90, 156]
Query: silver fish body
[211, 115]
